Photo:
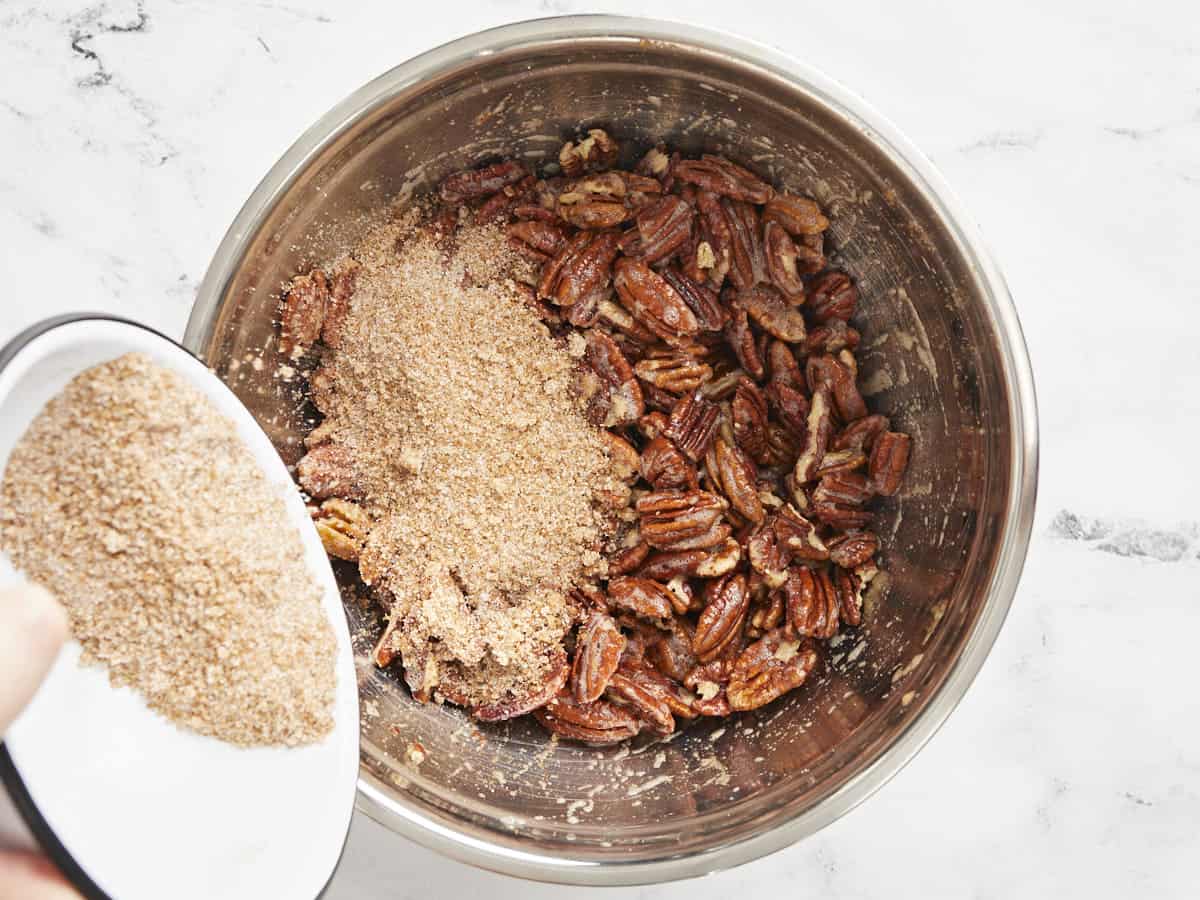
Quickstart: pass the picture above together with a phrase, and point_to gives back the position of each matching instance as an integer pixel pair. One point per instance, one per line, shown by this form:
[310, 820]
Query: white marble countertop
[131, 133]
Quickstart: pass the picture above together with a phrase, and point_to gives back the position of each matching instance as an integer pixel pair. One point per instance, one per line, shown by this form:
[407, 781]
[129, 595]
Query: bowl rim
[409, 818]
[14, 787]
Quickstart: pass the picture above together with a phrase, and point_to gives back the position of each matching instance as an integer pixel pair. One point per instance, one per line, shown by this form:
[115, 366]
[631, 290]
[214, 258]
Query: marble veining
[131, 133]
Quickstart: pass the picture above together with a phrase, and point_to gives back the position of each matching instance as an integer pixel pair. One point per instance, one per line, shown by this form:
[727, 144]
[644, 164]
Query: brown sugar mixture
[479, 477]
[595, 439]
[136, 502]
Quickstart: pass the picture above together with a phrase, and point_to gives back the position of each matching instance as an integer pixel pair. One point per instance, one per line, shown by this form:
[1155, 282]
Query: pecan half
[798, 535]
[816, 437]
[322, 434]
[588, 598]
[812, 603]
[889, 460]
[782, 446]
[843, 386]
[593, 153]
[472, 184]
[545, 239]
[741, 340]
[843, 489]
[672, 653]
[832, 337]
[735, 476]
[531, 211]
[662, 228]
[715, 705]
[768, 555]
[683, 594]
[548, 282]
[594, 214]
[790, 405]
[769, 668]
[652, 301]
[605, 200]
[810, 253]
[767, 307]
[692, 424]
[597, 654]
[658, 399]
[544, 197]
[782, 366]
[767, 615]
[861, 434]
[706, 678]
[722, 386]
[666, 468]
[547, 312]
[387, 648]
[323, 388]
[687, 257]
[720, 624]
[303, 313]
[797, 215]
[748, 411]
[343, 528]
[852, 550]
[650, 707]
[579, 275]
[644, 598]
[673, 371]
[719, 175]
[841, 517]
[500, 204]
[626, 560]
[652, 424]
[511, 707]
[720, 560]
[612, 393]
[680, 700]
[597, 723]
[615, 315]
[337, 307]
[328, 471]
[717, 236]
[701, 299]
[668, 564]
[781, 256]
[832, 296]
[749, 261]
[849, 597]
[625, 460]
[711, 563]
[655, 163]
[841, 461]
[686, 520]
[665, 691]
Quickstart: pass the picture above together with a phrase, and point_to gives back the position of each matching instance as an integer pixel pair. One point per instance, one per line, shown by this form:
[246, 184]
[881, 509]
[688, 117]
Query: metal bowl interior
[943, 357]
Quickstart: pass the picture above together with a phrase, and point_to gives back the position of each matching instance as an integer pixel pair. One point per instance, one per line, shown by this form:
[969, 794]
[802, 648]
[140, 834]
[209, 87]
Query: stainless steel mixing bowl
[943, 356]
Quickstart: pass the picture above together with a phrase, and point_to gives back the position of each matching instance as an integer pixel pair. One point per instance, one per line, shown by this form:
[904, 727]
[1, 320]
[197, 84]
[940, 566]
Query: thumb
[33, 627]
[25, 876]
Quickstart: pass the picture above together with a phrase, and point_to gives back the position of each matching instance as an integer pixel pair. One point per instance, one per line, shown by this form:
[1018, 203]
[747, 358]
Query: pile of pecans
[717, 355]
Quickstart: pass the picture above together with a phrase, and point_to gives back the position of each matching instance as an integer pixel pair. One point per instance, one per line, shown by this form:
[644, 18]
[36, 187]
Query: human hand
[33, 626]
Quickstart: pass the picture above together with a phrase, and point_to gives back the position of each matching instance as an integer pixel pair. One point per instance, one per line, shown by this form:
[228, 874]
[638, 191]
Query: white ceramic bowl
[128, 805]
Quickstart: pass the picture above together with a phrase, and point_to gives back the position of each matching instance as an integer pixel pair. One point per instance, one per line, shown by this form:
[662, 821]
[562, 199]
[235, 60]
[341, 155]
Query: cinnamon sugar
[136, 502]
[479, 469]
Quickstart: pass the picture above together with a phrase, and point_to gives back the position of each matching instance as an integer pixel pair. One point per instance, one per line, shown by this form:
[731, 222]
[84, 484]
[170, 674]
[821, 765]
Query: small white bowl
[127, 804]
